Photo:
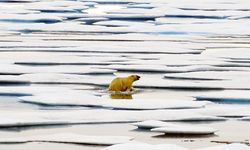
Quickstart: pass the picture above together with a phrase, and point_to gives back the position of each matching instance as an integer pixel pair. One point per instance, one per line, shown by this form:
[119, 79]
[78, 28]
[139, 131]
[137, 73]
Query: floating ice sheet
[91, 20]
[232, 111]
[138, 68]
[64, 117]
[144, 82]
[183, 129]
[239, 53]
[29, 90]
[30, 18]
[173, 147]
[171, 128]
[147, 81]
[69, 138]
[152, 104]
[149, 124]
[43, 58]
[228, 147]
[67, 99]
[144, 146]
[209, 75]
[86, 99]
[199, 68]
[9, 79]
[245, 118]
[17, 69]
[227, 96]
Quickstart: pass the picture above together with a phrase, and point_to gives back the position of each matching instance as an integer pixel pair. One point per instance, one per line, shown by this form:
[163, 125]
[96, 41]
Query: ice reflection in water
[121, 96]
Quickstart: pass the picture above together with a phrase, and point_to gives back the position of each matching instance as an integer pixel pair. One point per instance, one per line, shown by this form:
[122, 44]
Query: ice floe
[64, 117]
[79, 98]
[10, 79]
[152, 104]
[231, 111]
[91, 20]
[245, 118]
[227, 96]
[69, 138]
[174, 128]
[185, 130]
[35, 58]
[30, 90]
[18, 70]
[228, 147]
[30, 18]
[144, 146]
[145, 82]
[209, 75]
[173, 147]
[149, 124]
[67, 99]
[239, 53]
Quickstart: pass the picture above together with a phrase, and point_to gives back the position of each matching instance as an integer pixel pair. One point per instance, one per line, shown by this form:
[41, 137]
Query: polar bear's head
[135, 77]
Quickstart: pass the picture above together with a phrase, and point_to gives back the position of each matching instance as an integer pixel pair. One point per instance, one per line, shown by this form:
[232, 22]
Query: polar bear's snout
[137, 77]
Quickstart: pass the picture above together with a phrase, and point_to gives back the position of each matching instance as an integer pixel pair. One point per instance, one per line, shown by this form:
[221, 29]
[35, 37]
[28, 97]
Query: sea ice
[80, 98]
[146, 146]
[171, 128]
[69, 138]
[227, 96]
[185, 129]
[59, 117]
[229, 110]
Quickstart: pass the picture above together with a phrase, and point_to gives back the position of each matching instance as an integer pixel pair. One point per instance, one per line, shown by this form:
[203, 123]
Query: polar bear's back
[120, 84]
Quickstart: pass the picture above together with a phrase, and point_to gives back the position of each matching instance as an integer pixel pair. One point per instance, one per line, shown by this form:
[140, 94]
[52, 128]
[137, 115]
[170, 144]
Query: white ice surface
[185, 129]
[80, 98]
[67, 98]
[146, 146]
[210, 75]
[40, 89]
[239, 53]
[229, 96]
[174, 128]
[245, 118]
[145, 81]
[69, 138]
[29, 18]
[149, 124]
[56, 117]
[229, 110]
[152, 104]
[10, 79]
[17, 69]
[228, 147]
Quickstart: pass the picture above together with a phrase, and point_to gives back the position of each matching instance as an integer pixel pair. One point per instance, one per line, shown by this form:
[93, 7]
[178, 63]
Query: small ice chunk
[149, 124]
[171, 128]
[185, 129]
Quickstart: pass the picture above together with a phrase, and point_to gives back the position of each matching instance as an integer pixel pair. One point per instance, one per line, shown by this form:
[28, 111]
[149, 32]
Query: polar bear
[123, 83]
